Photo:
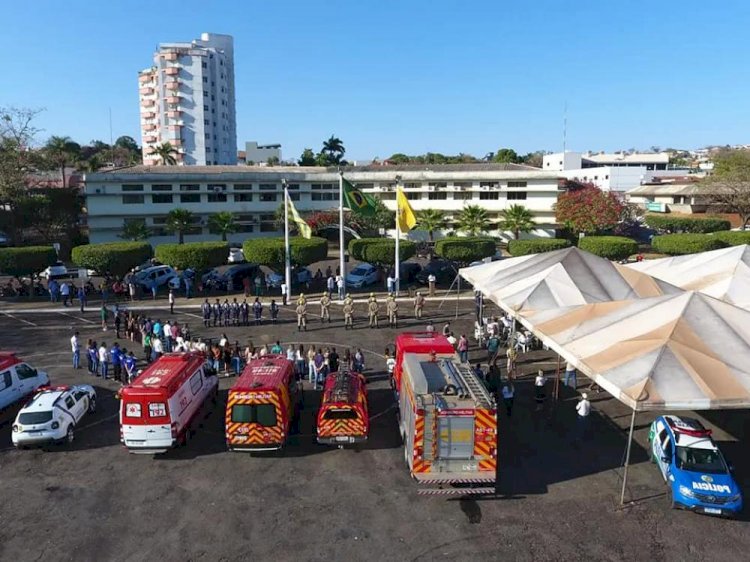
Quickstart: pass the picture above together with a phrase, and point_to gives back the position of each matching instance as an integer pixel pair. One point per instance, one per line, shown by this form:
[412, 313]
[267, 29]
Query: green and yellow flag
[357, 201]
[302, 226]
[404, 213]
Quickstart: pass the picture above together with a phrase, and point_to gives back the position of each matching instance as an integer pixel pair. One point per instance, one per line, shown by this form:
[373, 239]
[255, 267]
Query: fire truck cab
[342, 418]
[447, 417]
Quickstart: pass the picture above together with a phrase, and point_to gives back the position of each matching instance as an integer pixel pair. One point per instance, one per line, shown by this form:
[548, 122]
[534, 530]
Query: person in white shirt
[452, 339]
[75, 347]
[157, 347]
[104, 360]
[570, 375]
[583, 409]
[167, 329]
[340, 287]
[431, 280]
[283, 293]
[290, 354]
[539, 392]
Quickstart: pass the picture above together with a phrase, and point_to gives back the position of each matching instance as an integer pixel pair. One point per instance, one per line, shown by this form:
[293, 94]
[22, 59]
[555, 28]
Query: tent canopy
[680, 351]
[723, 274]
[565, 277]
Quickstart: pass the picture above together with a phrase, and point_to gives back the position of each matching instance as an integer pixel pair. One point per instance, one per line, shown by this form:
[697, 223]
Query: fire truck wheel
[186, 436]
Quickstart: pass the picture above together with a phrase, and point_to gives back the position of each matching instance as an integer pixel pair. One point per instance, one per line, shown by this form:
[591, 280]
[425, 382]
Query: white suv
[52, 415]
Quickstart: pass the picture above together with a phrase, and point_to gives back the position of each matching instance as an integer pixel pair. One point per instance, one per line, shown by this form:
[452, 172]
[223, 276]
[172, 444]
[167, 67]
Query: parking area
[557, 498]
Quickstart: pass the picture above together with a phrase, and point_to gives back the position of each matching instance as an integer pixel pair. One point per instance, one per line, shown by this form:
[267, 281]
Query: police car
[694, 468]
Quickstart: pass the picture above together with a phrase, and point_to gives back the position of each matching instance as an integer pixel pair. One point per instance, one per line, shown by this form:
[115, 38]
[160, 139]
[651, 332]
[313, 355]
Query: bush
[381, 251]
[111, 259]
[733, 237]
[271, 251]
[465, 250]
[198, 255]
[678, 244]
[26, 260]
[536, 246]
[667, 223]
[610, 247]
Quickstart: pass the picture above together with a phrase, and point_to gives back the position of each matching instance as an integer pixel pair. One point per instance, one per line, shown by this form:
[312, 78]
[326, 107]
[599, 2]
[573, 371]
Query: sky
[410, 76]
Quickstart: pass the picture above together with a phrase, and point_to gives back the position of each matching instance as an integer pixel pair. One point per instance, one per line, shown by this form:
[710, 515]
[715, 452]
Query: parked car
[362, 275]
[18, 379]
[58, 270]
[444, 271]
[52, 415]
[231, 278]
[300, 276]
[160, 275]
[497, 257]
[698, 476]
[153, 262]
[236, 255]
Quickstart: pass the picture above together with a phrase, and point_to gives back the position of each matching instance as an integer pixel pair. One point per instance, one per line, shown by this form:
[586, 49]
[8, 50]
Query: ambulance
[447, 418]
[262, 405]
[342, 418]
[159, 408]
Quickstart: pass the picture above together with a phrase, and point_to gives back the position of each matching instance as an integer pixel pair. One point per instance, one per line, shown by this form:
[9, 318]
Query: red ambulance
[158, 409]
[343, 417]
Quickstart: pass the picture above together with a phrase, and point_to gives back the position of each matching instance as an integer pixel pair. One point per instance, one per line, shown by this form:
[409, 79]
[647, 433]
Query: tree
[589, 210]
[26, 260]
[473, 220]
[517, 219]
[465, 250]
[92, 164]
[506, 156]
[334, 149]
[166, 152]
[382, 218]
[535, 159]
[52, 213]
[222, 223]
[127, 143]
[728, 189]
[112, 259]
[180, 222]
[62, 152]
[430, 220]
[273, 161]
[307, 158]
[134, 230]
[197, 255]
[271, 251]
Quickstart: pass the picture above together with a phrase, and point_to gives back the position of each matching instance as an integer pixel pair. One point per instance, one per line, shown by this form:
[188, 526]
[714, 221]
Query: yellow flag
[302, 226]
[404, 213]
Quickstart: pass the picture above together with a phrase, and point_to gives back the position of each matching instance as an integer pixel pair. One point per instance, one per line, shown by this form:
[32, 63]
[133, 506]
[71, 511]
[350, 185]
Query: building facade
[255, 153]
[187, 100]
[147, 194]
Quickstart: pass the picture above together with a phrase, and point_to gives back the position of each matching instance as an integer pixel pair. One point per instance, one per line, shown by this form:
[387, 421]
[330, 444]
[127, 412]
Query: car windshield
[34, 418]
[700, 460]
[359, 271]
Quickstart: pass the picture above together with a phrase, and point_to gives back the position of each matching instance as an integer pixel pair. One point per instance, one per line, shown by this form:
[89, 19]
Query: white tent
[565, 277]
[723, 274]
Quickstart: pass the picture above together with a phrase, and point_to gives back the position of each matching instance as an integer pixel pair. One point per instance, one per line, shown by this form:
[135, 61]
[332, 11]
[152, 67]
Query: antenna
[565, 126]
[111, 141]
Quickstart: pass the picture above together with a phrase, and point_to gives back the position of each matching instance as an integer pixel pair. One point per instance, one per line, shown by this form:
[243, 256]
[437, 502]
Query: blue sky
[404, 76]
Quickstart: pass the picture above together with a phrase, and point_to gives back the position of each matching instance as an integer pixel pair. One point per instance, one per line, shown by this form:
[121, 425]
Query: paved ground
[94, 501]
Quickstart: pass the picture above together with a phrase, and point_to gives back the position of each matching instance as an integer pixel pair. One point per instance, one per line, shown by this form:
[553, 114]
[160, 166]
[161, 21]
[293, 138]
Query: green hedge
[733, 237]
[536, 246]
[678, 244]
[198, 255]
[465, 250]
[610, 247]
[112, 259]
[664, 223]
[271, 251]
[381, 251]
[26, 260]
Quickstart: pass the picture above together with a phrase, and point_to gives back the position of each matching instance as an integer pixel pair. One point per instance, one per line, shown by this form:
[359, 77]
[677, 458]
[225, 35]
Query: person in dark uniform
[206, 310]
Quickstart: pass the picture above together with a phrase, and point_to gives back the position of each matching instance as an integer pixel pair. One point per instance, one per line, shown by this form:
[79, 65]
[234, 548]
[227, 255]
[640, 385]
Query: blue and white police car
[694, 468]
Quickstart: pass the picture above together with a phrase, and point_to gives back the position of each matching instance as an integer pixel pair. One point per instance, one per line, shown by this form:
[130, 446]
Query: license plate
[712, 510]
[344, 439]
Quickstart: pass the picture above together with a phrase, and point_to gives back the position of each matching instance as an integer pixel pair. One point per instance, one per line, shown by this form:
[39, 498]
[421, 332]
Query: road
[557, 500]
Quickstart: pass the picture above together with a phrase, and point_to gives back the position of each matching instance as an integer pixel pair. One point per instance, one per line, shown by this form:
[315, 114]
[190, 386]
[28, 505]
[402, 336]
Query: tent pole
[447, 293]
[557, 380]
[627, 459]
[458, 294]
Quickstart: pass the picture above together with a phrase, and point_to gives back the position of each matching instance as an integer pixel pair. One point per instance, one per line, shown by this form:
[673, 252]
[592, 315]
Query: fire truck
[342, 417]
[447, 417]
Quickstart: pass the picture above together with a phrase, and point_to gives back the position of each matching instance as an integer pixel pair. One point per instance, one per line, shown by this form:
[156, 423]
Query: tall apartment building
[187, 99]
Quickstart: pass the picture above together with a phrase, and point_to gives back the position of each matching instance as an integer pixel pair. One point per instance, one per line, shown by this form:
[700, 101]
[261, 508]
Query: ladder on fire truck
[469, 383]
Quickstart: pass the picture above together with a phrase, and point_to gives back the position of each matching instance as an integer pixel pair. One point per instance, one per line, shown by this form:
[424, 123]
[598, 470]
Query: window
[267, 197]
[189, 187]
[6, 381]
[408, 185]
[262, 414]
[159, 220]
[413, 196]
[516, 195]
[190, 198]
[35, 418]
[206, 122]
[204, 65]
[462, 185]
[132, 199]
[132, 187]
[386, 196]
[324, 196]
[161, 198]
[437, 195]
[69, 402]
[157, 409]
[205, 108]
[207, 136]
[205, 94]
[244, 228]
[243, 186]
[267, 227]
[292, 186]
[267, 187]
[196, 383]
[516, 184]
[161, 187]
[205, 80]
[438, 185]
[461, 195]
[340, 414]
[243, 197]
[489, 195]
[489, 184]
[316, 186]
[294, 196]
[25, 372]
[217, 197]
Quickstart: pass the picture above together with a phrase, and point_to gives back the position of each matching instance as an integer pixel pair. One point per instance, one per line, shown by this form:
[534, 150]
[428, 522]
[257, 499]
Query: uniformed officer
[206, 310]
[216, 312]
[325, 305]
[301, 299]
[301, 315]
[258, 311]
[226, 311]
[392, 307]
[348, 313]
[235, 313]
[372, 311]
[245, 311]
[418, 305]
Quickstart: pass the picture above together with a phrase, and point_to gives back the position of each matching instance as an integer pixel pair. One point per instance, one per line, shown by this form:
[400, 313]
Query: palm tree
[135, 231]
[166, 152]
[430, 220]
[473, 220]
[222, 223]
[334, 148]
[62, 151]
[90, 165]
[517, 219]
[179, 221]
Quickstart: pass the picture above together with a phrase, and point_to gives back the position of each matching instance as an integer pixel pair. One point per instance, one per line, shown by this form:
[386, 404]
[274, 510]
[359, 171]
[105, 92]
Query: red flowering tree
[589, 210]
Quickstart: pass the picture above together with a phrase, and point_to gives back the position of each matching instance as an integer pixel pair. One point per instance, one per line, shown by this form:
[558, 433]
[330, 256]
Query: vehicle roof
[148, 270]
[343, 387]
[691, 432]
[268, 372]
[423, 342]
[165, 371]
[364, 265]
[44, 400]
[8, 359]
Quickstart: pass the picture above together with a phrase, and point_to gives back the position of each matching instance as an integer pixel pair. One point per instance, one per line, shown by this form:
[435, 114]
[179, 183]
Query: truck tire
[406, 455]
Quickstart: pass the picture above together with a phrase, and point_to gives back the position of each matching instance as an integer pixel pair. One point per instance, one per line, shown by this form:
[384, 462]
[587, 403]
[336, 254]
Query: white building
[259, 154]
[187, 99]
[148, 193]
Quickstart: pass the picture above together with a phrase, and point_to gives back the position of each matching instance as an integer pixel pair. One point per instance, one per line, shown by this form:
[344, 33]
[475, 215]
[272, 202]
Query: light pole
[398, 237]
[287, 253]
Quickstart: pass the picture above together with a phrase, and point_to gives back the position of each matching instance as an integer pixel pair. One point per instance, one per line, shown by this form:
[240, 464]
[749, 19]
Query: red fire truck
[447, 417]
[342, 418]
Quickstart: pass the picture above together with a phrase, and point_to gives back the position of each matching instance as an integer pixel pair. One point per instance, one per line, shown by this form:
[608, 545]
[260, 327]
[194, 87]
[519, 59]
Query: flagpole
[398, 238]
[342, 264]
[288, 256]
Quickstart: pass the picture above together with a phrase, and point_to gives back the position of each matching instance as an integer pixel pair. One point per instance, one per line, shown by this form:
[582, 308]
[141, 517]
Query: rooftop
[635, 158]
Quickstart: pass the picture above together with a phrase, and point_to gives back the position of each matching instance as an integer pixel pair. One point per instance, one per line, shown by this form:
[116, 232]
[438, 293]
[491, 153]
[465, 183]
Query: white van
[18, 380]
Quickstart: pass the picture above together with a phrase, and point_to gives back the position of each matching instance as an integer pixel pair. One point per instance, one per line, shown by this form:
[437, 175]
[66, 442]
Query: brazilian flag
[357, 201]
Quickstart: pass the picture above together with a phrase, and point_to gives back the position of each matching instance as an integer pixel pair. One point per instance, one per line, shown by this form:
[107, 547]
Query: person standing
[299, 358]
[372, 311]
[418, 305]
[235, 312]
[258, 285]
[311, 365]
[493, 344]
[570, 375]
[226, 311]
[131, 287]
[147, 348]
[508, 395]
[390, 283]
[245, 313]
[65, 293]
[539, 389]
[171, 300]
[391, 307]
[216, 313]
[341, 286]
[319, 364]
[116, 355]
[258, 311]
[325, 306]
[54, 290]
[104, 313]
[82, 297]
[75, 347]
[301, 316]
[246, 286]
[274, 308]
[348, 310]
[333, 361]
[331, 284]
[359, 361]
[431, 280]
[478, 304]
[463, 348]
[284, 293]
[104, 360]
[206, 312]
[118, 324]
[130, 363]
[583, 409]
[158, 347]
[510, 359]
